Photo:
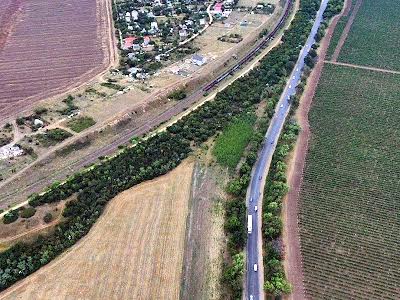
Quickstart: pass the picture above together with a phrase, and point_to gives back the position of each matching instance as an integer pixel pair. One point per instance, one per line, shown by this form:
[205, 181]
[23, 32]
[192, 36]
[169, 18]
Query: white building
[128, 17]
[183, 33]
[199, 60]
[9, 151]
[135, 15]
[154, 26]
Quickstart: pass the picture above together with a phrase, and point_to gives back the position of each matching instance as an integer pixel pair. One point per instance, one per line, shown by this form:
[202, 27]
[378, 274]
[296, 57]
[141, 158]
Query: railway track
[249, 56]
[152, 123]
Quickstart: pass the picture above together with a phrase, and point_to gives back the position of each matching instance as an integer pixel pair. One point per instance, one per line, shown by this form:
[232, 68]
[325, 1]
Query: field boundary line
[362, 67]
[346, 31]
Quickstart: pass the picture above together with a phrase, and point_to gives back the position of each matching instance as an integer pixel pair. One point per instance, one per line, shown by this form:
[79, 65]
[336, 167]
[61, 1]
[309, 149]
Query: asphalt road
[254, 280]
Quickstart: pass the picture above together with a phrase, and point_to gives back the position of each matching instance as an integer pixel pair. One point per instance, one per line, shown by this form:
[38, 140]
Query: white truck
[249, 224]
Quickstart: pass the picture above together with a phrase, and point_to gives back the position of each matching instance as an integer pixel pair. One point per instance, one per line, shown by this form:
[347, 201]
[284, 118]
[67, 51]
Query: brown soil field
[134, 251]
[50, 46]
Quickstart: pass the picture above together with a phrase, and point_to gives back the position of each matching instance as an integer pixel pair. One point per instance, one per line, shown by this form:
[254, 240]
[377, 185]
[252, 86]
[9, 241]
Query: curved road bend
[254, 280]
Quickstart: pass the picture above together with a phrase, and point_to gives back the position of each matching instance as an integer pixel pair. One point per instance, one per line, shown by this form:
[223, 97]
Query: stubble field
[48, 46]
[350, 199]
[134, 251]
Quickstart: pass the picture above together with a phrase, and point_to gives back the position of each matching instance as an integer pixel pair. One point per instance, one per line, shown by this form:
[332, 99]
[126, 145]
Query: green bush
[28, 212]
[177, 95]
[81, 123]
[10, 217]
[53, 136]
[48, 217]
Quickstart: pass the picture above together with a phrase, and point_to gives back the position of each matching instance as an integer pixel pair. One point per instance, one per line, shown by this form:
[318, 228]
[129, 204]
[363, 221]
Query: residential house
[128, 42]
[135, 15]
[218, 8]
[199, 60]
[128, 17]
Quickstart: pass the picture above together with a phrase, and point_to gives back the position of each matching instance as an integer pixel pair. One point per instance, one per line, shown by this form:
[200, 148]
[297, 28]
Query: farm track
[361, 67]
[77, 49]
[291, 235]
[346, 31]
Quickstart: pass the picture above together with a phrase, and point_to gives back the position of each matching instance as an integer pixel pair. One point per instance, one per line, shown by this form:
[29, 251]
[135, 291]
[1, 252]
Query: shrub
[53, 136]
[28, 212]
[178, 94]
[80, 124]
[10, 217]
[48, 217]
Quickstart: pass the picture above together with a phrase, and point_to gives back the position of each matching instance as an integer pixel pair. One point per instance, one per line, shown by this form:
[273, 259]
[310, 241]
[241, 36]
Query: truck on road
[249, 224]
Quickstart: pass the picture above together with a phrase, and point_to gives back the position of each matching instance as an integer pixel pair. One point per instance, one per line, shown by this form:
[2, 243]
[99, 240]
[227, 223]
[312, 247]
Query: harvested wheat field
[134, 251]
[49, 46]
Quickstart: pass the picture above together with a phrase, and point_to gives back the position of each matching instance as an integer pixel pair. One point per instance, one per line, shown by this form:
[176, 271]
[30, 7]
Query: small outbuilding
[199, 60]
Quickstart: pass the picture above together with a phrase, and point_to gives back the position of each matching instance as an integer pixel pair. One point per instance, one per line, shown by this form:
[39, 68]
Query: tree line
[94, 187]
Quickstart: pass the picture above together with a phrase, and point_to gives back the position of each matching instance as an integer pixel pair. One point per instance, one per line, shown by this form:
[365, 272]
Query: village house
[198, 60]
[128, 42]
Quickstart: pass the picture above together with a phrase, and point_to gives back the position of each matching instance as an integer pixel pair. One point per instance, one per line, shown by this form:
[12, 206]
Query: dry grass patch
[134, 251]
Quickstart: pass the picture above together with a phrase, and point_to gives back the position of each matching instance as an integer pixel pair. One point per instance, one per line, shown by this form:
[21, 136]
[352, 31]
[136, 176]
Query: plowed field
[49, 46]
[134, 251]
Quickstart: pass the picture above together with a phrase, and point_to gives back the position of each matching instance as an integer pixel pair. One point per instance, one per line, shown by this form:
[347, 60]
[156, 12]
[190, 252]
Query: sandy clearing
[134, 251]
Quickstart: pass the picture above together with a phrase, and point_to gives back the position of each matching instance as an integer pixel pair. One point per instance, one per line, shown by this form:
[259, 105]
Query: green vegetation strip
[350, 195]
[52, 137]
[81, 123]
[374, 38]
[231, 143]
[94, 187]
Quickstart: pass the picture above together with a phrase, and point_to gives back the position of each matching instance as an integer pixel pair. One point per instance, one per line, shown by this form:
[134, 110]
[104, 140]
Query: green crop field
[230, 144]
[336, 36]
[338, 32]
[350, 197]
[374, 38]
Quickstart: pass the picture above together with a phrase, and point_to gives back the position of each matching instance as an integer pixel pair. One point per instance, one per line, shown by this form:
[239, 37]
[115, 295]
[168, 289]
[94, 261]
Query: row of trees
[94, 187]
[275, 190]
[276, 186]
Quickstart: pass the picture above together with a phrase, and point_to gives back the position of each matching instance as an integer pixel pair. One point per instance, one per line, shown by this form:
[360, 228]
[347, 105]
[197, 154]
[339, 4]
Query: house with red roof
[128, 42]
[218, 8]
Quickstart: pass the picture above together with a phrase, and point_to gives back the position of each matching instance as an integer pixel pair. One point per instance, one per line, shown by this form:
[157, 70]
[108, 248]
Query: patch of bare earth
[26, 229]
[134, 251]
[205, 238]
[291, 236]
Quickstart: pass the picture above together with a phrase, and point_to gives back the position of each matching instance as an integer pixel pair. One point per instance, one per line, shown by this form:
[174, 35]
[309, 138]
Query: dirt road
[346, 31]
[361, 67]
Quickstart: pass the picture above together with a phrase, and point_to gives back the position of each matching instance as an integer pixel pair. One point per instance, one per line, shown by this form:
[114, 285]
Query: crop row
[350, 193]
[374, 36]
[93, 188]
